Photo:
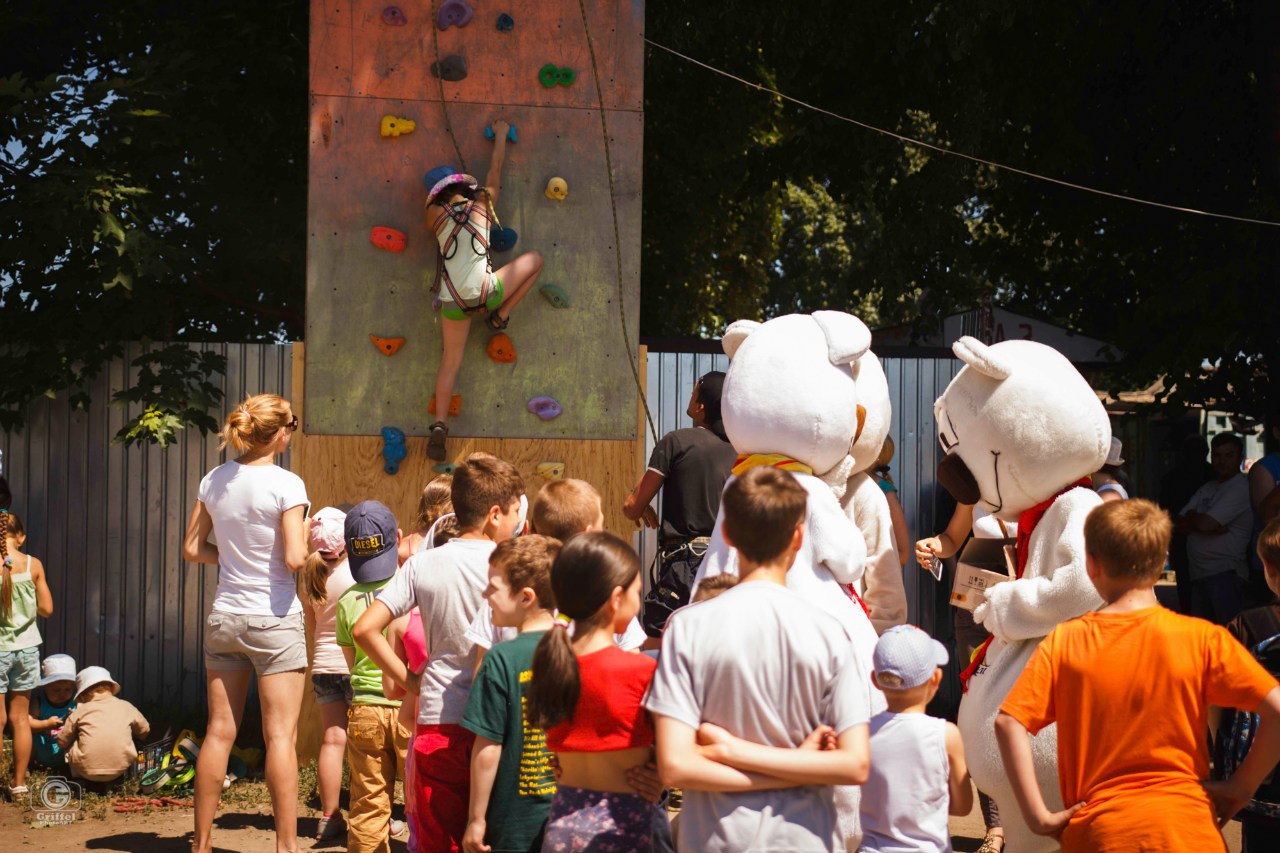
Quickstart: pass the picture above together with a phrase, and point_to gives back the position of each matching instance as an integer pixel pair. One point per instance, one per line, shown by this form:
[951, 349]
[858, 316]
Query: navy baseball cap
[370, 533]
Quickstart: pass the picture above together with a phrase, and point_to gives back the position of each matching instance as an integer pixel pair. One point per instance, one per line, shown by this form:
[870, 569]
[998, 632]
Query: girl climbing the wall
[459, 213]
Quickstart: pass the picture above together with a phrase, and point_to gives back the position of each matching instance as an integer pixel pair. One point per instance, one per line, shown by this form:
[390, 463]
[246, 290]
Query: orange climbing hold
[387, 346]
[501, 349]
[455, 405]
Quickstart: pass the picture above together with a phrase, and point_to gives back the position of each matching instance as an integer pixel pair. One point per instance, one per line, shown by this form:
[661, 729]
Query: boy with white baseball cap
[918, 773]
[99, 735]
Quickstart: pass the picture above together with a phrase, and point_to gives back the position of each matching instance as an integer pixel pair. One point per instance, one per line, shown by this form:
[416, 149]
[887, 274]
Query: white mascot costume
[865, 503]
[1022, 432]
[790, 400]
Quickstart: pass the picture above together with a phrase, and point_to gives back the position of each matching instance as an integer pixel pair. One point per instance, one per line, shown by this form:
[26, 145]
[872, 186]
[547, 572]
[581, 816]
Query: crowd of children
[487, 660]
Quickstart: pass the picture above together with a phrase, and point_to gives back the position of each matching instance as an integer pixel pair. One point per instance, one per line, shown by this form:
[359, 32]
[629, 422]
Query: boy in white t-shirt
[750, 688]
[562, 510]
[919, 776]
[447, 585]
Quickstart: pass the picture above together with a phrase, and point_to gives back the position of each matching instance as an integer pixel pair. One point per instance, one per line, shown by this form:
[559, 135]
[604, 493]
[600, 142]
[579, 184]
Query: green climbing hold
[555, 294]
[551, 76]
[444, 468]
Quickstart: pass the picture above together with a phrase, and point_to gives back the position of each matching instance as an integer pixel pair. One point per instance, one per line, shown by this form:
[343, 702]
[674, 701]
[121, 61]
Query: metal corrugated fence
[914, 385]
[108, 522]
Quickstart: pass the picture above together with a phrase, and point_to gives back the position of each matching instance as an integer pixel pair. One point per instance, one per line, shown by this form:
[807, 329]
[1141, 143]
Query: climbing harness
[461, 214]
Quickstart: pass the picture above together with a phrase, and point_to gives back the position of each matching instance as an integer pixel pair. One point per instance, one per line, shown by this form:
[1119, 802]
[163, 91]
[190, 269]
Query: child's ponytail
[10, 525]
[583, 577]
[315, 579]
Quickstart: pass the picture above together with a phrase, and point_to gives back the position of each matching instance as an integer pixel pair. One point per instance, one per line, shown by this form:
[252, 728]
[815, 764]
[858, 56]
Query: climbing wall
[370, 60]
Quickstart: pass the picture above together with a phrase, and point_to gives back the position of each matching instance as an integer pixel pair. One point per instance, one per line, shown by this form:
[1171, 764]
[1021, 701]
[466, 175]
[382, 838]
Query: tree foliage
[152, 187]
[153, 179]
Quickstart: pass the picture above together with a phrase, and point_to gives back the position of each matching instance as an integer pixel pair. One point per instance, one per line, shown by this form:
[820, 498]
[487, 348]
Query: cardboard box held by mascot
[1022, 431]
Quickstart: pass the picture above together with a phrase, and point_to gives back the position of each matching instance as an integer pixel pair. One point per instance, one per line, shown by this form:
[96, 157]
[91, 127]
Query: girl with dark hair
[690, 466]
[587, 694]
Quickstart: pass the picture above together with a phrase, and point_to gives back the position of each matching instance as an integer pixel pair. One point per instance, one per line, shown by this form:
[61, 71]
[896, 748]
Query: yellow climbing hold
[550, 470]
[557, 189]
[393, 126]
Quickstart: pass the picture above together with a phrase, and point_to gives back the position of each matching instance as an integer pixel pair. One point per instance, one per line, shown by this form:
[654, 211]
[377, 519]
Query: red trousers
[442, 787]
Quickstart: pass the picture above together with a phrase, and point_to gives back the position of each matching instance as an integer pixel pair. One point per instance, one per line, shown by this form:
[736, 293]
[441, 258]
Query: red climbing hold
[389, 239]
[455, 405]
[501, 349]
[387, 346]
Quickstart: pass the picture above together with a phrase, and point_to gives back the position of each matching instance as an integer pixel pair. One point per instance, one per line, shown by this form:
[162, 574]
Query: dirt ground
[244, 828]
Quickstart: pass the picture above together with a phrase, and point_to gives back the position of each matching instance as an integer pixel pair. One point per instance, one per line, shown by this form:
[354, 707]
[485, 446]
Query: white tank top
[906, 798]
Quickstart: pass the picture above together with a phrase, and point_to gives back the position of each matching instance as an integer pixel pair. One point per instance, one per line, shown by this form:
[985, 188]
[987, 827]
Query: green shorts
[450, 310]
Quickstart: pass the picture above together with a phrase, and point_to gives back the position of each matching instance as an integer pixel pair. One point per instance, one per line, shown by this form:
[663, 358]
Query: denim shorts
[331, 687]
[266, 644]
[19, 670]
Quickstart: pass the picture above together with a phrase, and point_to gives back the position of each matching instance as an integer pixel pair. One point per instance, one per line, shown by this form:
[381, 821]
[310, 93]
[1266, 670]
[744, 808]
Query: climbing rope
[617, 238]
[444, 105]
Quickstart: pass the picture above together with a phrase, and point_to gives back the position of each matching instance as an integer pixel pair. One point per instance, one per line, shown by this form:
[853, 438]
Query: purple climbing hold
[545, 407]
[393, 17]
[455, 13]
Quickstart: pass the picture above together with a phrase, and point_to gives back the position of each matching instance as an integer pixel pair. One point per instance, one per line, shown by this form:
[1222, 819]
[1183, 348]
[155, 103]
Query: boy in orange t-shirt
[1130, 688]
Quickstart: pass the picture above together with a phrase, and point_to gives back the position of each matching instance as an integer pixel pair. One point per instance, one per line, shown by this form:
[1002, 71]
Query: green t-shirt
[524, 784]
[366, 677]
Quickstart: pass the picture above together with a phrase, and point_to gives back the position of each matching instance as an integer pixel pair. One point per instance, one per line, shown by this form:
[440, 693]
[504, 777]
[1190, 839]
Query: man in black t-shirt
[691, 466]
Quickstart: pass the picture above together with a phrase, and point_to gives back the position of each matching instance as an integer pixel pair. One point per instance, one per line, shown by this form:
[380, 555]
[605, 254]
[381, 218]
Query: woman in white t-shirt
[256, 510]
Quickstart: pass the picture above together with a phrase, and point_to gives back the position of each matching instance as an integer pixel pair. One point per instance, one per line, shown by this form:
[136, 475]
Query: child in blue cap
[459, 213]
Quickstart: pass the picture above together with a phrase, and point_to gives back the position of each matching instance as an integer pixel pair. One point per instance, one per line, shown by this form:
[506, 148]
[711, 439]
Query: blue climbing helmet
[436, 175]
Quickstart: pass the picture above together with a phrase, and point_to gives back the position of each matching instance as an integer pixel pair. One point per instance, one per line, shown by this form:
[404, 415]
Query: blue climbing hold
[506, 23]
[511, 132]
[502, 239]
[393, 449]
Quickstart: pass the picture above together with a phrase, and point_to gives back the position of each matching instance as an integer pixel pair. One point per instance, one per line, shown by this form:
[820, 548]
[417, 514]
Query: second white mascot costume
[790, 400]
[1022, 431]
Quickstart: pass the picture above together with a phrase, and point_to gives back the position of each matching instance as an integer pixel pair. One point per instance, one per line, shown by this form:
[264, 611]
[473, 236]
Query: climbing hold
[452, 68]
[444, 468]
[502, 239]
[545, 407]
[388, 239]
[393, 449]
[557, 189]
[550, 470]
[501, 349]
[387, 346]
[392, 126]
[455, 405]
[549, 75]
[453, 13]
[555, 294]
[393, 17]
[506, 23]
[511, 132]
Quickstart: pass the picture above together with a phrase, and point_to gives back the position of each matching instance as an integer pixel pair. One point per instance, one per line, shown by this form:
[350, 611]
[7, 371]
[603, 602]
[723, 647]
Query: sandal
[435, 444]
[496, 322]
[16, 791]
[992, 844]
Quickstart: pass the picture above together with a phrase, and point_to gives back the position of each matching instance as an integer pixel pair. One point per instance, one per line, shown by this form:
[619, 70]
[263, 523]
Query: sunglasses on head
[292, 425]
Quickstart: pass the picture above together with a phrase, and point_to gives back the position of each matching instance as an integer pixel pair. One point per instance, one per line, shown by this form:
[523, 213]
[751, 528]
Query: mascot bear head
[1018, 424]
[792, 388]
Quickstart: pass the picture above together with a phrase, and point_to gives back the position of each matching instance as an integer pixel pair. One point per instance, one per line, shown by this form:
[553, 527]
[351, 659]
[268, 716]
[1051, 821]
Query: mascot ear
[736, 334]
[848, 338]
[980, 357]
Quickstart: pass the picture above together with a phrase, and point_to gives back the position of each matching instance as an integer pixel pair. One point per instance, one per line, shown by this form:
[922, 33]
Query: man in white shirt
[1218, 522]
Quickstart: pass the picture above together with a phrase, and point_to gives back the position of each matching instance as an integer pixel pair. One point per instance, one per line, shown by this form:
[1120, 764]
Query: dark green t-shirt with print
[524, 784]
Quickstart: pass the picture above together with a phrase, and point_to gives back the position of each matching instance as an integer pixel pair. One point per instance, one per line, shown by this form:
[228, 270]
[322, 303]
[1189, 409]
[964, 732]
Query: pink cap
[326, 533]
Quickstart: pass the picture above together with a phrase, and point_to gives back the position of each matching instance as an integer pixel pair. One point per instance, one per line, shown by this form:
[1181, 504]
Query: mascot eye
[947, 436]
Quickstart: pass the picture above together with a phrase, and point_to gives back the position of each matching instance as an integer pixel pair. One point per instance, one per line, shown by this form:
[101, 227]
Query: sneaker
[398, 828]
[331, 827]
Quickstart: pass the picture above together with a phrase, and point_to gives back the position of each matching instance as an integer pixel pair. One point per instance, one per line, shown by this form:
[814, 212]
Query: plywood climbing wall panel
[362, 69]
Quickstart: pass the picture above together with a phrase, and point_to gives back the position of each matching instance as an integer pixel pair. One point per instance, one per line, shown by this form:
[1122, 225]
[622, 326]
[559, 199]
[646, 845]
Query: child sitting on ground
[561, 510]
[919, 775]
[53, 701]
[751, 683]
[99, 735]
[1130, 688]
[447, 585]
[376, 742]
[511, 778]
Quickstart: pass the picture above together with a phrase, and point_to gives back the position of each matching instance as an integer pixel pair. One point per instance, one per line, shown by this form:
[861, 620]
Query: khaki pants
[376, 744]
